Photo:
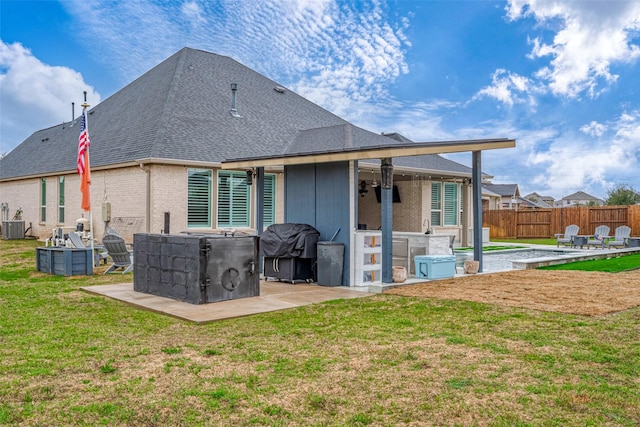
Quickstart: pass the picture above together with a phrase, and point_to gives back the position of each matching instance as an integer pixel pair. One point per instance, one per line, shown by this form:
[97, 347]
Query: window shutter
[269, 200]
[239, 202]
[199, 198]
[436, 203]
[450, 203]
[233, 199]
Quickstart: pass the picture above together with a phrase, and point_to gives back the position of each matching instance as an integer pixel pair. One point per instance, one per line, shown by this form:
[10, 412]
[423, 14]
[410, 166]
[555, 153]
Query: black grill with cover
[289, 251]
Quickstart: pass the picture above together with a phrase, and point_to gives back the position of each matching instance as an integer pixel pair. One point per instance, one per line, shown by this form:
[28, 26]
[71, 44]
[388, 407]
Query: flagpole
[86, 121]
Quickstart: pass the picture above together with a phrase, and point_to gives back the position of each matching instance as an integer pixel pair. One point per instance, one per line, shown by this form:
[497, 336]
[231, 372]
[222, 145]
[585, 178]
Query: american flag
[83, 144]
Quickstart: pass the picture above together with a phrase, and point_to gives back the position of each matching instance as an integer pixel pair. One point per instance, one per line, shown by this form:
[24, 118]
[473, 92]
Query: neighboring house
[159, 145]
[490, 200]
[524, 203]
[540, 201]
[579, 198]
[509, 194]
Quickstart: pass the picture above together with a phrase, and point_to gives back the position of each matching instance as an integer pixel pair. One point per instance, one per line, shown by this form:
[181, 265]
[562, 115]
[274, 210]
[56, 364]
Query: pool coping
[573, 255]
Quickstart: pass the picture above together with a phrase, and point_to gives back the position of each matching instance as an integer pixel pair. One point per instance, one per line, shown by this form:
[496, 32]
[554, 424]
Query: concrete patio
[273, 296]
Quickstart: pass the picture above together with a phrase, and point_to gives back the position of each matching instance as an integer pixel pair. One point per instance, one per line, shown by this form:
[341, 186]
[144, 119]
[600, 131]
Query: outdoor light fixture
[249, 177]
[374, 183]
[387, 173]
[363, 188]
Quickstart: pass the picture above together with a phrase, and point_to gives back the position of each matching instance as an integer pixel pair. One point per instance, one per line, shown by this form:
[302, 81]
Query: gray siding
[319, 195]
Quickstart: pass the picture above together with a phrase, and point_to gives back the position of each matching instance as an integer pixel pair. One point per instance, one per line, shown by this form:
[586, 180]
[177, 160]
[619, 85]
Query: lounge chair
[620, 238]
[599, 237]
[121, 256]
[99, 253]
[567, 238]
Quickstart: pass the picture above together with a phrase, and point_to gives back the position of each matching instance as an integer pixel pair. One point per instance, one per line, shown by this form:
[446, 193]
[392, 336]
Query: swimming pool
[502, 260]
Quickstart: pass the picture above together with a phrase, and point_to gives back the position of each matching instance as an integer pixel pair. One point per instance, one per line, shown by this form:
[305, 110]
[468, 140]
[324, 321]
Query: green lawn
[551, 241]
[491, 248]
[615, 264]
[76, 359]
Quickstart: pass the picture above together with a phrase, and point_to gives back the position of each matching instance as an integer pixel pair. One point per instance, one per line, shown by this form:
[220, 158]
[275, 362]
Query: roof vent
[234, 89]
[279, 89]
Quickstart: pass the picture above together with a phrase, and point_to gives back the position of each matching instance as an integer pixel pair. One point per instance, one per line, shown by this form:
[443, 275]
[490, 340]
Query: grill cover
[289, 241]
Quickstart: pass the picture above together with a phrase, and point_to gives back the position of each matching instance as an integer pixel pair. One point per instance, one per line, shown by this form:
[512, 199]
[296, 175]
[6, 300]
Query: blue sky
[560, 77]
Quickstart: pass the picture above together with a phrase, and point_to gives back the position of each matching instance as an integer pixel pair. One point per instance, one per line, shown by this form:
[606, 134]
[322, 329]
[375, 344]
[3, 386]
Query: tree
[622, 194]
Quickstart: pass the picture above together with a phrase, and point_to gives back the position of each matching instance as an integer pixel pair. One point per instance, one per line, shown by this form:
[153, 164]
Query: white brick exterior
[125, 189]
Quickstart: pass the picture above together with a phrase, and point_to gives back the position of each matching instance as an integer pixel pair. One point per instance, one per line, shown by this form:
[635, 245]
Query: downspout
[148, 197]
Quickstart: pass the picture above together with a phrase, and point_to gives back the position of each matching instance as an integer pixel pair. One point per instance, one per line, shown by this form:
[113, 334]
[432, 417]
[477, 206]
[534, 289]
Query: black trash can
[330, 263]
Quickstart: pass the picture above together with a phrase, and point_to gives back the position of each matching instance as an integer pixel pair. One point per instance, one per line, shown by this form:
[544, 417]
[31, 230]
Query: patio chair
[599, 236]
[567, 238]
[99, 252]
[620, 238]
[121, 256]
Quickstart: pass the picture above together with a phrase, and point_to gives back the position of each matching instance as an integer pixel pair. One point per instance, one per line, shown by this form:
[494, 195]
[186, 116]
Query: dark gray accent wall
[318, 195]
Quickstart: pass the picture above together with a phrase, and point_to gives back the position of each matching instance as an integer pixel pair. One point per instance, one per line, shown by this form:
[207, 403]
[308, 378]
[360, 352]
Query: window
[269, 200]
[445, 209]
[43, 200]
[451, 203]
[199, 198]
[436, 203]
[61, 200]
[234, 204]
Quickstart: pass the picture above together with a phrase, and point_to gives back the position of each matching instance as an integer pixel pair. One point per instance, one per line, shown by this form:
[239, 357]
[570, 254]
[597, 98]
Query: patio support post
[477, 207]
[464, 237]
[386, 193]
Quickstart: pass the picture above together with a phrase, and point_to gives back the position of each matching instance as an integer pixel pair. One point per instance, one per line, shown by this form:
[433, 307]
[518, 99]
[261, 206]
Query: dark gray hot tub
[197, 269]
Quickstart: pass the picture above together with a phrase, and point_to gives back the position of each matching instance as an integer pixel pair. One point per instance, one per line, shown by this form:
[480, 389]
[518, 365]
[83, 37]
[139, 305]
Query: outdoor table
[633, 242]
[579, 241]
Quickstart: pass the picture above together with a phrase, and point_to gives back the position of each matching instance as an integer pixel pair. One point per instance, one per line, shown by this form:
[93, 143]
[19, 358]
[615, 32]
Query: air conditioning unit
[12, 230]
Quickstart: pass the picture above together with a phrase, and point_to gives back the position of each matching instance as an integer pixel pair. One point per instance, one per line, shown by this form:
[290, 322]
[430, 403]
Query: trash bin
[330, 263]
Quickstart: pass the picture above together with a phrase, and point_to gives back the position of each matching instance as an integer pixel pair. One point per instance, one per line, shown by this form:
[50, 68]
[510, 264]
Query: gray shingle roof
[580, 195]
[503, 189]
[180, 111]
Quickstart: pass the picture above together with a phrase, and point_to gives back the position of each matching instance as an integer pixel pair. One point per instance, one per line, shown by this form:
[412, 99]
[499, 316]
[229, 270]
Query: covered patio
[322, 186]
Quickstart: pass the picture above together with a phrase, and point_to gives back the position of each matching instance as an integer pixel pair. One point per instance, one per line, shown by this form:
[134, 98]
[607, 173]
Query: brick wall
[409, 215]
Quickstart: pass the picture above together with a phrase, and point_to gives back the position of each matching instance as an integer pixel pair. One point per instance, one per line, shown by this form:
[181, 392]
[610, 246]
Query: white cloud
[592, 37]
[193, 12]
[508, 88]
[320, 48]
[571, 163]
[594, 129]
[35, 95]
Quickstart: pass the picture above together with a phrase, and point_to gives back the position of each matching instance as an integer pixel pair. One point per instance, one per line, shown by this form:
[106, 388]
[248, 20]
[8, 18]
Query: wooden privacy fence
[544, 223]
